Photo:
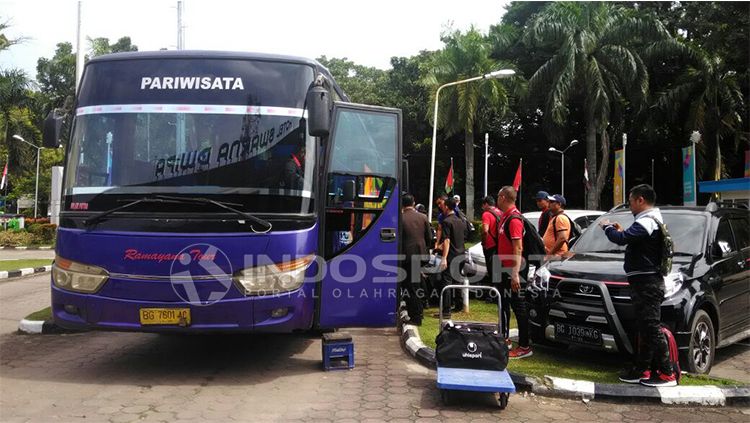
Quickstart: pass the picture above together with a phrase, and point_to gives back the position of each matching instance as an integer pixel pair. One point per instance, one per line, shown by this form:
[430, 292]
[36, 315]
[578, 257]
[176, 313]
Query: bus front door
[360, 224]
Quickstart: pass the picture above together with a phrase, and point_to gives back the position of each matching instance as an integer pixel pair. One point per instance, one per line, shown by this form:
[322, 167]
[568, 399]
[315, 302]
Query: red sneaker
[520, 352]
[660, 379]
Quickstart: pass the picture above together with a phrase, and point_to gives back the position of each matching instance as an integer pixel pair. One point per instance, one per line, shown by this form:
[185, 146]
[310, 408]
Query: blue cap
[542, 195]
[557, 198]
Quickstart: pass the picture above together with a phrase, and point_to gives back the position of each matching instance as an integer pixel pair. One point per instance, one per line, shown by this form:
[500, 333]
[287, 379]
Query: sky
[368, 33]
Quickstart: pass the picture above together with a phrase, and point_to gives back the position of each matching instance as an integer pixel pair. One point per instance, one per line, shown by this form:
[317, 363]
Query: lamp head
[572, 143]
[552, 149]
[502, 73]
[18, 137]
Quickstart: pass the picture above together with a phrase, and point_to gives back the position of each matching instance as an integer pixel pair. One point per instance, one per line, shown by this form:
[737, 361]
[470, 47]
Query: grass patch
[23, 263]
[572, 362]
[43, 314]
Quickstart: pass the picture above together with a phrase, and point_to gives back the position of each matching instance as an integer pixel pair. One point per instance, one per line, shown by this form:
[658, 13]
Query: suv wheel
[700, 355]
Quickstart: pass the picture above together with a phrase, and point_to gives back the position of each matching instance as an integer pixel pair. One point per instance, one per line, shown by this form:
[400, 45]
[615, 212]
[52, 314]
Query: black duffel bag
[471, 347]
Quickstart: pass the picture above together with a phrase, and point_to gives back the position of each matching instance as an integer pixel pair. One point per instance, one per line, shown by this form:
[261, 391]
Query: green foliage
[101, 45]
[362, 84]
[57, 76]
[18, 238]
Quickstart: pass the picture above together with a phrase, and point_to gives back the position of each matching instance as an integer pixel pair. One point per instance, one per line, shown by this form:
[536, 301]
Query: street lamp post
[36, 192]
[562, 163]
[486, 145]
[695, 138]
[502, 73]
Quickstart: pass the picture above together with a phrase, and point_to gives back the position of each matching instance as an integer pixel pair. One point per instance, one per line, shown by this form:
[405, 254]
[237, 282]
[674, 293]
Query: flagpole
[520, 184]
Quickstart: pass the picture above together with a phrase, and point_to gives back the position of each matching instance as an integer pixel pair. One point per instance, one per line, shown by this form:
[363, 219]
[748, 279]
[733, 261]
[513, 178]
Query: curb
[37, 327]
[45, 247]
[8, 274]
[586, 390]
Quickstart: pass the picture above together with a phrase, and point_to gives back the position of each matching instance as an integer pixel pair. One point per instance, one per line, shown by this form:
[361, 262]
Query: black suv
[585, 298]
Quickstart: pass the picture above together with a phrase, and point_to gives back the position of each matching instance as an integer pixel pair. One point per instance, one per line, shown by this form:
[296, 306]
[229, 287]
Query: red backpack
[674, 352]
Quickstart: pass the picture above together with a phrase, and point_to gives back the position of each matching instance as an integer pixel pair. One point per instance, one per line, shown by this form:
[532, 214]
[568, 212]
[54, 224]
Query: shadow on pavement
[151, 359]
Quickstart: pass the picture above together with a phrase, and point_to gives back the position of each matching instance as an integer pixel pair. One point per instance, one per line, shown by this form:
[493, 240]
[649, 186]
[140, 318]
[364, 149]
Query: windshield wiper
[602, 251]
[99, 216]
[163, 199]
[225, 206]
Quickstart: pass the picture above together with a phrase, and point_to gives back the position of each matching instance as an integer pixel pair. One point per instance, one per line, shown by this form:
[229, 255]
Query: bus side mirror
[318, 111]
[51, 131]
[350, 190]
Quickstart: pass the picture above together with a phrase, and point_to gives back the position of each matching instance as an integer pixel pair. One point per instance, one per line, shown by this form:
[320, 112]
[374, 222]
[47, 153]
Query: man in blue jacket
[642, 263]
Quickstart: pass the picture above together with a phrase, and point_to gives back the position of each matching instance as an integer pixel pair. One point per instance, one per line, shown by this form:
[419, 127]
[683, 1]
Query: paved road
[26, 254]
[122, 377]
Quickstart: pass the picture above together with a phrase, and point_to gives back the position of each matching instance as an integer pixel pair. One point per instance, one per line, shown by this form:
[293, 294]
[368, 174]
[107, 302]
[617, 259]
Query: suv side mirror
[720, 249]
[51, 131]
[318, 111]
[350, 190]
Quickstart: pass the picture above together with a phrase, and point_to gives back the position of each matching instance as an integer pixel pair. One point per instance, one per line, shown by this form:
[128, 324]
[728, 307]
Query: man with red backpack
[510, 248]
[643, 256]
[490, 219]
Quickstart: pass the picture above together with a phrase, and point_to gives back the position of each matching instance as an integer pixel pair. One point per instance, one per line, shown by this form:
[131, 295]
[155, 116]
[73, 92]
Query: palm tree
[14, 87]
[594, 58]
[464, 56]
[707, 98]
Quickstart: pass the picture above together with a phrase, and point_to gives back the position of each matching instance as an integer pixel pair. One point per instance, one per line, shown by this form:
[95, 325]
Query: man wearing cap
[543, 204]
[558, 231]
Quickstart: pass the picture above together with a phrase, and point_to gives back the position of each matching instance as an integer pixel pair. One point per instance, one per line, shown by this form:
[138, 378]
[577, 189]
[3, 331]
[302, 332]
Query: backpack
[497, 225]
[674, 352]
[533, 245]
[667, 248]
[469, 227]
[575, 229]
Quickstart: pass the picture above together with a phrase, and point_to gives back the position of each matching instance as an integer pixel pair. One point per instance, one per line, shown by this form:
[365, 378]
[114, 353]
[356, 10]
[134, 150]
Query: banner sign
[688, 180]
[747, 164]
[618, 178]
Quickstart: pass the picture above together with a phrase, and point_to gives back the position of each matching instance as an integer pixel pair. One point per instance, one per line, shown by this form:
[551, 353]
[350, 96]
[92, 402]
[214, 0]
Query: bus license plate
[165, 316]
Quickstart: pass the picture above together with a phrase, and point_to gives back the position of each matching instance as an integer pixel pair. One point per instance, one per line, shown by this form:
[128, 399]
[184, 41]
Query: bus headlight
[78, 277]
[274, 278]
[672, 284]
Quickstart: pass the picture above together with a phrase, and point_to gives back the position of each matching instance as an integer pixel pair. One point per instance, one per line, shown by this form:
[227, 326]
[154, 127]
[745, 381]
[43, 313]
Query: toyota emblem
[585, 289]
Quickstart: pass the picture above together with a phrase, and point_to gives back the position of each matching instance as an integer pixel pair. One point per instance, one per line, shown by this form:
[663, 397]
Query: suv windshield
[687, 232]
[230, 134]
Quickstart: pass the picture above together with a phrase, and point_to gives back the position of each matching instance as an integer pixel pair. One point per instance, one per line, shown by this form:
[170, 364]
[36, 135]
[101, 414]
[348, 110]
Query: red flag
[517, 179]
[449, 179]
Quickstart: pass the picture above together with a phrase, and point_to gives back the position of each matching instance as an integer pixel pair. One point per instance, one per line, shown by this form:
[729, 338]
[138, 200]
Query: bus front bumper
[282, 313]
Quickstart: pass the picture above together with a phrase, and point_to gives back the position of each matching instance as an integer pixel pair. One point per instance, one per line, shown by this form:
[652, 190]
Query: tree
[101, 45]
[595, 60]
[708, 97]
[57, 76]
[465, 55]
[14, 88]
[361, 84]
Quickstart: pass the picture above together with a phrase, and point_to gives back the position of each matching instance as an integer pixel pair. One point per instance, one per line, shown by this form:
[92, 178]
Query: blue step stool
[338, 351]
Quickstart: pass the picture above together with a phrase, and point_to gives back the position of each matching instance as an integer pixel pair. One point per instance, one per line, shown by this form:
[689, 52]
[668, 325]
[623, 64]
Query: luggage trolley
[479, 380]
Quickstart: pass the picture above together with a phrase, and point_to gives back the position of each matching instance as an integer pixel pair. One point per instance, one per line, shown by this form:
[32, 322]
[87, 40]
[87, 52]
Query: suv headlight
[672, 283]
[274, 278]
[78, 277]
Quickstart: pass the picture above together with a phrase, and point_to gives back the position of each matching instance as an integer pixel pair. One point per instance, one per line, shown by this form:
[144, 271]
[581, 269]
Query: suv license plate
[578, 334]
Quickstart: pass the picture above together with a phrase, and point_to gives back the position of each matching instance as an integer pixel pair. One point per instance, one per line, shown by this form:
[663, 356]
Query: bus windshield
[229, 139]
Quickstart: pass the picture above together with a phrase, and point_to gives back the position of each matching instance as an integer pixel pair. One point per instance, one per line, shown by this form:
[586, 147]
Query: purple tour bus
[225, 192]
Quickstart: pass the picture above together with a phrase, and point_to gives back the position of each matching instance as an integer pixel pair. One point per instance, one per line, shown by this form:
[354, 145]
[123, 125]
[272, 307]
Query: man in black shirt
[452, 247]
[542, 203]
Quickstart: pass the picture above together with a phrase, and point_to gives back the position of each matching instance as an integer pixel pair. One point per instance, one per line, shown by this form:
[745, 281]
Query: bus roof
[211, 54]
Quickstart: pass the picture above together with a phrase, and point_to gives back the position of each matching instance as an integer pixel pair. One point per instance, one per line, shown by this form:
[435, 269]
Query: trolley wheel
[502, 399]
[445, 396]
